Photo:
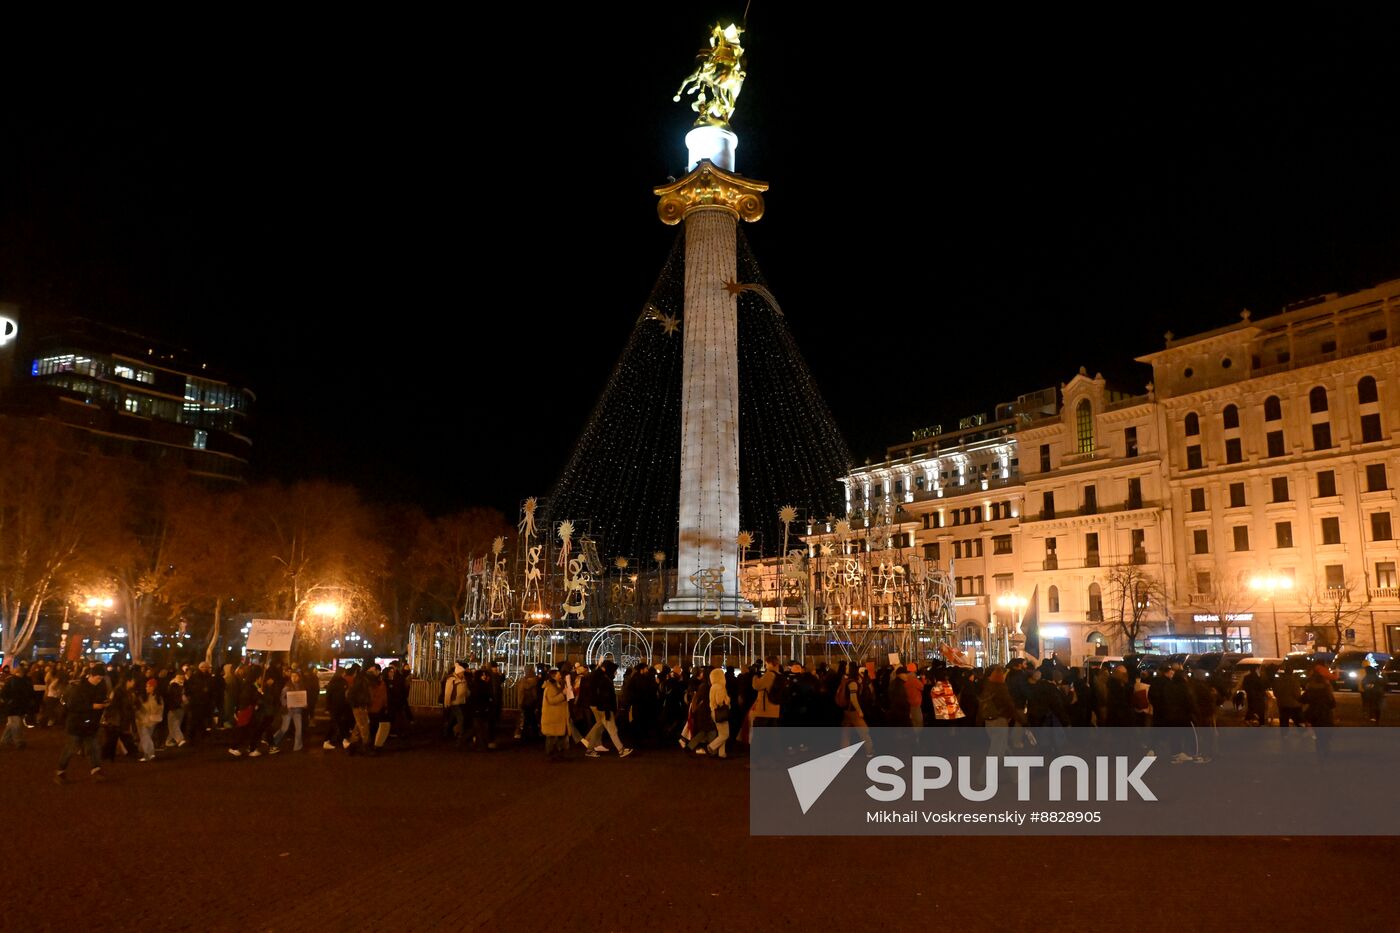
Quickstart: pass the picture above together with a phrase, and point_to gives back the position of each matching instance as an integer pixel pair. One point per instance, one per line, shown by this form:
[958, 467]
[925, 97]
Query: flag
[954, 657]
[1030, 625]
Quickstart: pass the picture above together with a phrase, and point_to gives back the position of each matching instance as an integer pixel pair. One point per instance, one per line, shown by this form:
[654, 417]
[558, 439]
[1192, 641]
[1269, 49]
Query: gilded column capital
[711, 187]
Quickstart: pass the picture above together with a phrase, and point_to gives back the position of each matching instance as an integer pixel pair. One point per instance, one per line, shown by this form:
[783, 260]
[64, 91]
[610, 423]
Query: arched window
[1052, 600]
[1231, 416]
[1273, 409]
[1193, 424]
[1096, 638]
[1084, 426]
[1317, 399]
[1366, 390]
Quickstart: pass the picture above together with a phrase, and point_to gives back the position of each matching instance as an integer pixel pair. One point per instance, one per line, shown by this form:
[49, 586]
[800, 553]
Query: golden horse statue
[717, 78]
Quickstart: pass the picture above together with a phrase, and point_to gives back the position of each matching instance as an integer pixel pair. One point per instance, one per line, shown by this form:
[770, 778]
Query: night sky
[424, 247]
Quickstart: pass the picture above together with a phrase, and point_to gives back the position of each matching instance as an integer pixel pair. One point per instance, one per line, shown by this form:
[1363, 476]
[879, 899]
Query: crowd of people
[139, 710]
[136, 710]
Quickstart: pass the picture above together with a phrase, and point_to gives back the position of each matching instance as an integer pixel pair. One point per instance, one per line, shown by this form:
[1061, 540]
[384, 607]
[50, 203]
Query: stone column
[710, 201]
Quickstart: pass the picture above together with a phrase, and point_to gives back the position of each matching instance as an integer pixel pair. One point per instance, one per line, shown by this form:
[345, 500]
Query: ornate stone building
[1245, 499]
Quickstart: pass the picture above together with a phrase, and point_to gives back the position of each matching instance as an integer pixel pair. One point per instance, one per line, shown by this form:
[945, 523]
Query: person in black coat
[85, 701]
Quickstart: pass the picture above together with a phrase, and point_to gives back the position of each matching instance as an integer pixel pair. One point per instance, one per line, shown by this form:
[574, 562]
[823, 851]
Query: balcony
[1095, 615]
[1337, 594]
[1050, 563]
[1385, 592]
[1091, 559]
[1331, 355]
[1139, 556]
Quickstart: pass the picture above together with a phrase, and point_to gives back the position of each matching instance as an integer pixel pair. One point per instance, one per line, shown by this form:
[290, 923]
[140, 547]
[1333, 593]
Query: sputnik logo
[8, 329]
[811, 779]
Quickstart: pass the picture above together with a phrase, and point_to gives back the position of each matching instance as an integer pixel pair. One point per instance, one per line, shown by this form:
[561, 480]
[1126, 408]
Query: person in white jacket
[454, 700]
[150, 712]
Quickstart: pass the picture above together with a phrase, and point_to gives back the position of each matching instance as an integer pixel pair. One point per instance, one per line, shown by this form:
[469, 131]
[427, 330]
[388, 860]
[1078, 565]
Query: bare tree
[1134, 595]
[1227, 599]
[1331, 610]
[54, 502]
[441, 559]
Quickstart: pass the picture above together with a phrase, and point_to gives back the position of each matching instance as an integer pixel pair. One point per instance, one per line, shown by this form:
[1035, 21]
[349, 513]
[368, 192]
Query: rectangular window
[1004, 582]
[1233, 452]
[1322, 436]
[1135, 493]
[1380, 526]
[201, 439]
[1332, 531]
[1139, 542]
[1280, 488]
[1370, 428]
[1200, 541]
[1237, 495]
[1091, 549]
[1283, 534]
[1336, 576]
[1091, 499]
[1193, 457]
[1203, 581]
[1045, 458]
[1375, 477]
[976, 547]
[899, 487]
[1198, 500]
[1385, 575]
[1326, 484]
[1047, 509]
[1130, 445]
[1052, 562]
[1241, 533]
[931, 551]
[1001, 544]
[1275, 442]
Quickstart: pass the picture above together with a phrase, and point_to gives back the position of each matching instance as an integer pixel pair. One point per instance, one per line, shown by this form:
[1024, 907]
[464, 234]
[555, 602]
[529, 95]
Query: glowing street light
[326, 609]
[1016, 605]
[1268, 586]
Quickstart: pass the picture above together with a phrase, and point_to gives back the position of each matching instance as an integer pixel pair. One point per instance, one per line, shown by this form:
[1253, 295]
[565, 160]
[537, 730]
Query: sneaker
[98, 775]
[701, 752]
[591, 754]
[328, 746]
[169, 743]
[601, 749]
[144, 760]
[344, 743]
[624, 753]
[275, 750]
[680, 742]
[235, 753]
[58, 778]
[255, 753]
[183, 743]
[1179, 757]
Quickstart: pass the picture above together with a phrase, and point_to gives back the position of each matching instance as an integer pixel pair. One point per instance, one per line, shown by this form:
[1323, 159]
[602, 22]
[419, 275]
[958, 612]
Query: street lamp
[1016, 605]
[1269, 586]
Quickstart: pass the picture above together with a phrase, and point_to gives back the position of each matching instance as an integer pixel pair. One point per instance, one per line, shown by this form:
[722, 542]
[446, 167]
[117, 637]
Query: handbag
[722, 713]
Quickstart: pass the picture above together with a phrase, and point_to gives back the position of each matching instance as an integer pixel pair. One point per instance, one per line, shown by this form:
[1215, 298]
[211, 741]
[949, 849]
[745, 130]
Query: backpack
[778, 693]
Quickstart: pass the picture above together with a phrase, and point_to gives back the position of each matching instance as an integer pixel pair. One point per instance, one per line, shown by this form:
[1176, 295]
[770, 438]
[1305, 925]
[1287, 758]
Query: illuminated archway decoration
[626, 645]
[727, 639]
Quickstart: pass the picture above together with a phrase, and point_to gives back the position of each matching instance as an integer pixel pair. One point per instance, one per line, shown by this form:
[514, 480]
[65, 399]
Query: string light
[622, 480]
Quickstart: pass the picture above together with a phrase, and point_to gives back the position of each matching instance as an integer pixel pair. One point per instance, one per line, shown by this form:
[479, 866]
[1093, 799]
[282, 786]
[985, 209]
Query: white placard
[296, 699]
[270, 635]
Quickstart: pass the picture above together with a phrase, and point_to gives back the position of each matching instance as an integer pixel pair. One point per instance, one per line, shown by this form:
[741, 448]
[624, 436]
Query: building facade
[136, 398]
[1243, 500]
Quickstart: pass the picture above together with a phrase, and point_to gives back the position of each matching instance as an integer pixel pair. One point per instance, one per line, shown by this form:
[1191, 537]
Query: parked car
[1150, 665]
[1105, 661]
[1217, 668]
[1347, 667]
[1246, 665]
[1390, 673]
[1301, 664]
